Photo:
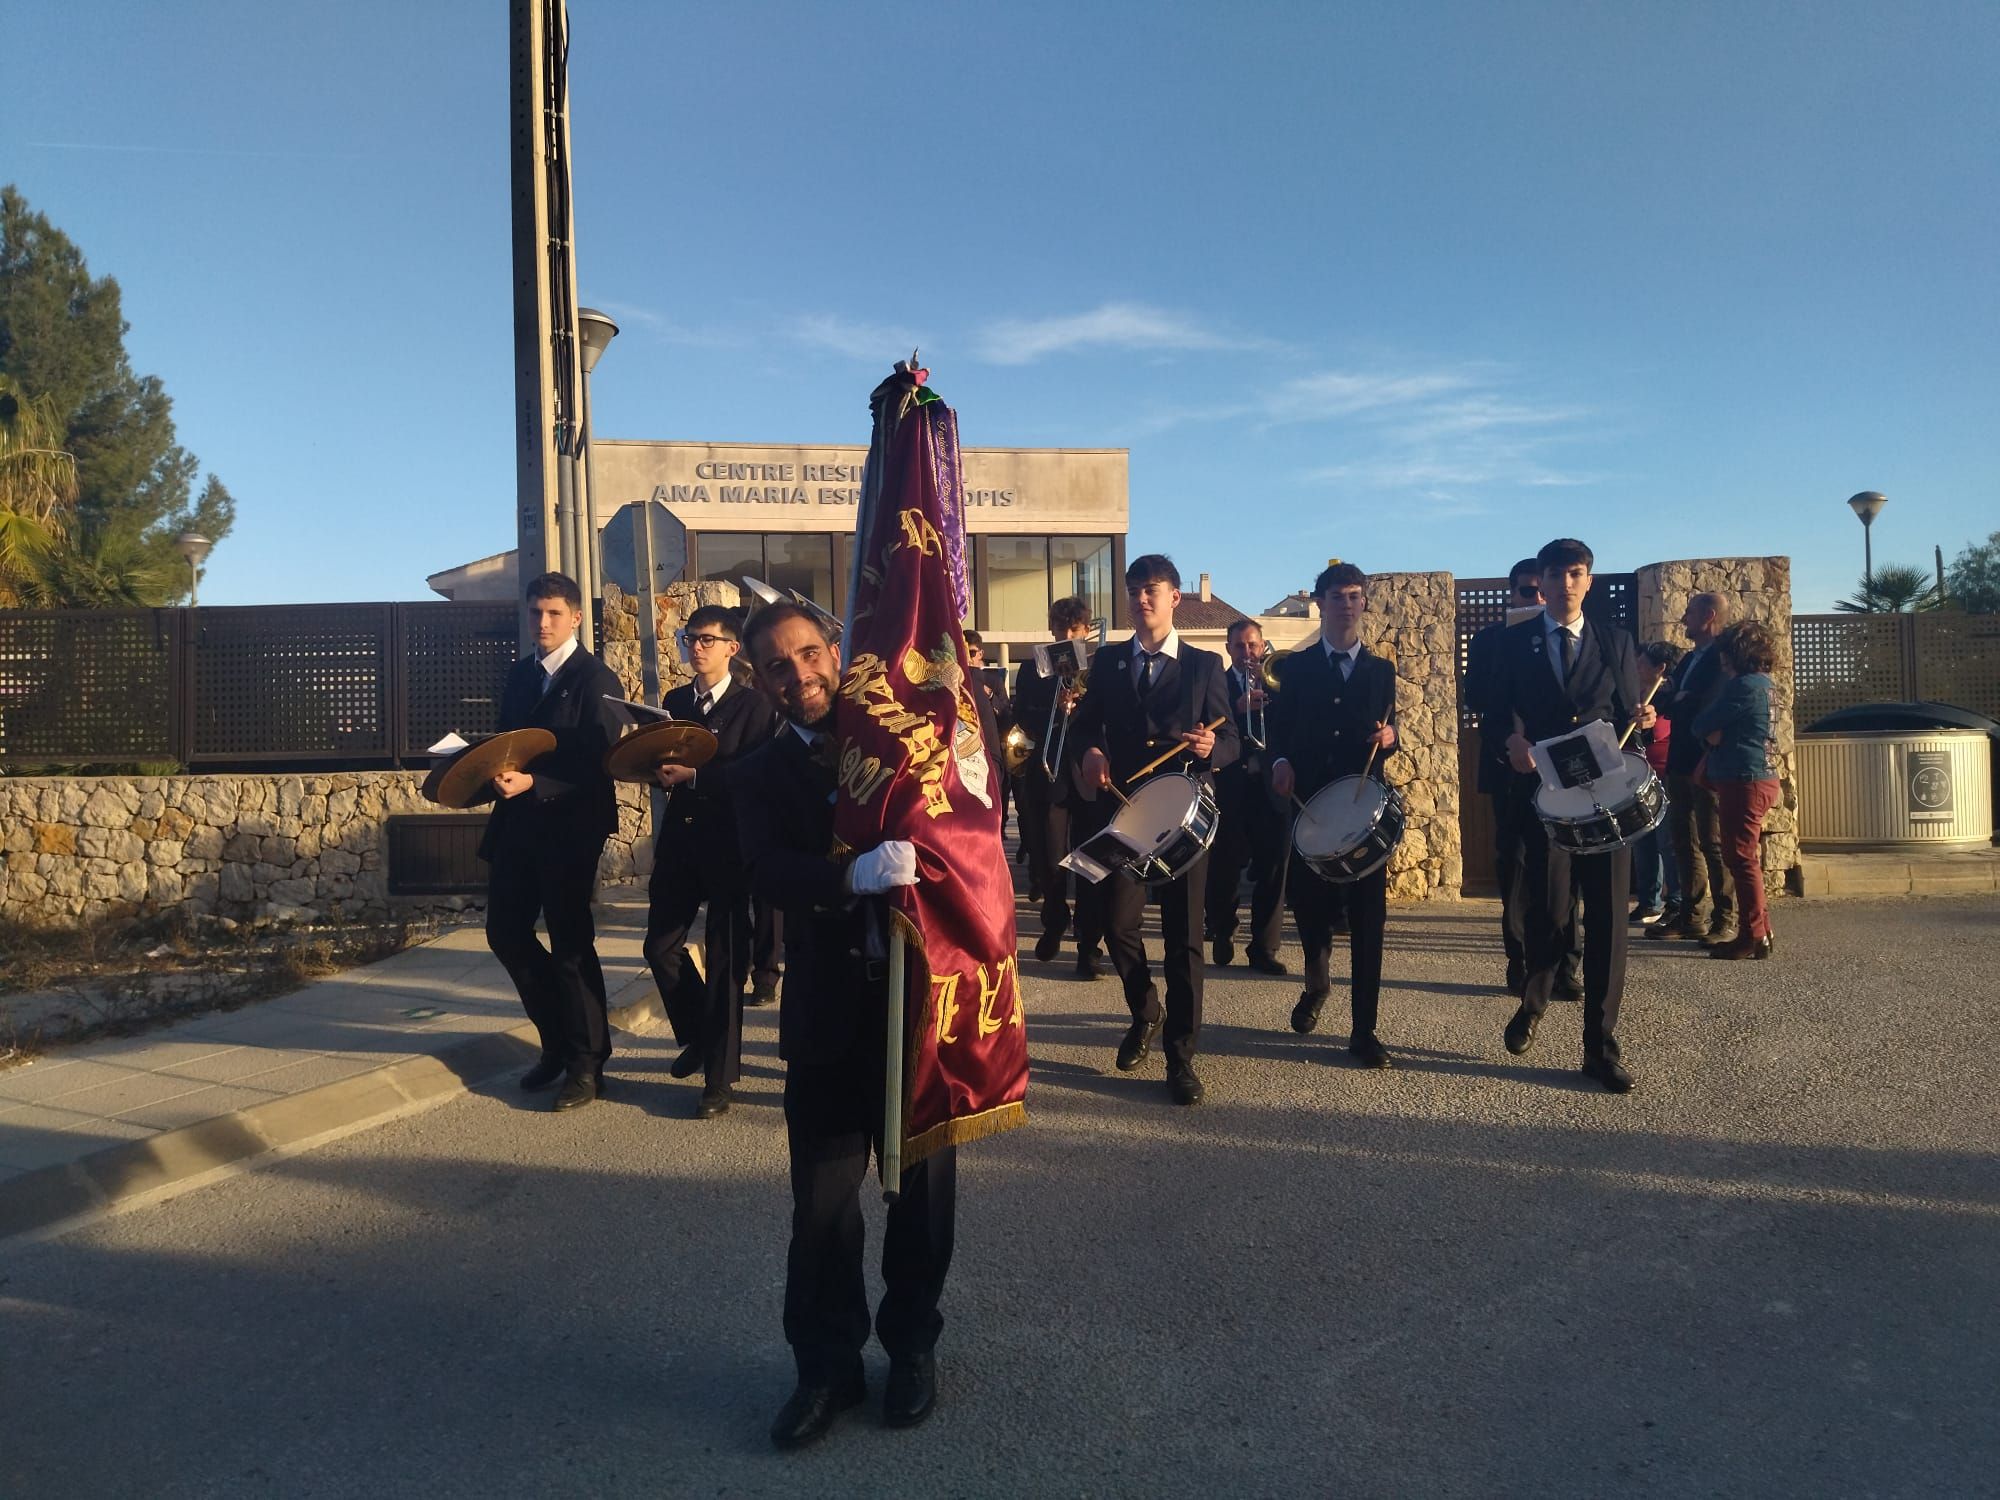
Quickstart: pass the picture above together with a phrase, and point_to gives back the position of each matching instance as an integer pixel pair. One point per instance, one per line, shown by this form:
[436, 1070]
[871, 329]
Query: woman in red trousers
[1737, 730]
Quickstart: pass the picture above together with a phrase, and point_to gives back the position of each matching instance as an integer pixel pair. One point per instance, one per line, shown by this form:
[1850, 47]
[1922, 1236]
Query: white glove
[885, 866]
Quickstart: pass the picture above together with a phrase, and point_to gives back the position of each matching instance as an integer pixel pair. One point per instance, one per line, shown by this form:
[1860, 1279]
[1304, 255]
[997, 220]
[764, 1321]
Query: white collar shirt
[1346, 659]
[1551, 631]
[552, 663]
[714, 694]
[1170, 648]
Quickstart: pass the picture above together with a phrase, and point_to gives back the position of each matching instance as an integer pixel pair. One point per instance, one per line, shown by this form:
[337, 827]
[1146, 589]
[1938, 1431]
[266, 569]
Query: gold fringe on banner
[1001, 1117]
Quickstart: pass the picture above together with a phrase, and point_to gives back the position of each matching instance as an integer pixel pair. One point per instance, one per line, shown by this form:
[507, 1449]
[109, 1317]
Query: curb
[53, 1200]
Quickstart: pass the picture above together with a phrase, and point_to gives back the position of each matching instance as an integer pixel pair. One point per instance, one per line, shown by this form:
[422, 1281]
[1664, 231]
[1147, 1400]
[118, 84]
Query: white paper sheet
[637, 707]
[450, 744]
[1604, 749]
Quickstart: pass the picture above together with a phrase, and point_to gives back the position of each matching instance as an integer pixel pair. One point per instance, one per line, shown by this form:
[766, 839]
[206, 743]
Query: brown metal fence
[309, 685]
[1941, 656]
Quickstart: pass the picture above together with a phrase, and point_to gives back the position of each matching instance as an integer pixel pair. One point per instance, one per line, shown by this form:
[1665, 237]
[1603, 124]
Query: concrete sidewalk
[105, 1124]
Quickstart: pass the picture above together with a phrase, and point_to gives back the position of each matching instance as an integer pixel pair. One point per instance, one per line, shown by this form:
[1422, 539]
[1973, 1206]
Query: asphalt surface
[1773, 1270]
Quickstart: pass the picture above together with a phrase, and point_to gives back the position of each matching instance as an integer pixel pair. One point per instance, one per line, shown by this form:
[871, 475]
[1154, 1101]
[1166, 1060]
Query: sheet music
[1567, 760]
[645, 708]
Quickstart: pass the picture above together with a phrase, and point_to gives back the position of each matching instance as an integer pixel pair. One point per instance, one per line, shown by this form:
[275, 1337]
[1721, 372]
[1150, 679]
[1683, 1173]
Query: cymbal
[458, 781]
[670, 742]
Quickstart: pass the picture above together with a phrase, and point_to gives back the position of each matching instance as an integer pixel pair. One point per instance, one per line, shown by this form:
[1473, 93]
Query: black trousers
[1695, 826]
[833, 1119]
[765, 937]
[706, 1011]
[1315, 904]
[1252, 834]
[561, 986]
[1180, 944]
[1555, 880]
[1514, 822]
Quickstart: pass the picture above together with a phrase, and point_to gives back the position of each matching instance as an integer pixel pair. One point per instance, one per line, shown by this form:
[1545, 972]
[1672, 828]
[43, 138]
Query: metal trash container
[1896, 789]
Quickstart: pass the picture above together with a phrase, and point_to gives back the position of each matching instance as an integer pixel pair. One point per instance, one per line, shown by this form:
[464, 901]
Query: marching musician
[544, 840]
[1334, 715]
[1557, 672]
[1046, 805]
[695, 861]
[1149, 696]
[1252, 828]
[831, 1036]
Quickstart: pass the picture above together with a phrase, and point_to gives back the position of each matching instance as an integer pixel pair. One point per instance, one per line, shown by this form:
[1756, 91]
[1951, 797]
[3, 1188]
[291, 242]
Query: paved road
[1773, 1270]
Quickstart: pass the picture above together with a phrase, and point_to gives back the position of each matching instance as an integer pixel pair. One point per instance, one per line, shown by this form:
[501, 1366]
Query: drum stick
[1635, 718]
[1157, 762]
[1367, 766]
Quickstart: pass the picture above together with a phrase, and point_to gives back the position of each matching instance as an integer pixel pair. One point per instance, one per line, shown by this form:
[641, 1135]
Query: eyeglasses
[706, 640]
[1528, 590]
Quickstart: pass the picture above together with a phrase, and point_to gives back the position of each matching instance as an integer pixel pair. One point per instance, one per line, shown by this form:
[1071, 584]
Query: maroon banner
[913, 765]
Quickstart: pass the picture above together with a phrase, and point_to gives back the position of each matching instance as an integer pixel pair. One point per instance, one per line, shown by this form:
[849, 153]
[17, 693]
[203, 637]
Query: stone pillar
[1758, 588]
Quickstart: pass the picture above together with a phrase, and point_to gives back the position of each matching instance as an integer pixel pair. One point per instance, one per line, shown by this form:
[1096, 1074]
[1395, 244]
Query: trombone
[1070, 663]
[1265, 669]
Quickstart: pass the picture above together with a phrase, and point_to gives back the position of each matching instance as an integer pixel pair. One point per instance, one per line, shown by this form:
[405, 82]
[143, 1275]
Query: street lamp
[597, 331]
[194, 547]
[1867, 505]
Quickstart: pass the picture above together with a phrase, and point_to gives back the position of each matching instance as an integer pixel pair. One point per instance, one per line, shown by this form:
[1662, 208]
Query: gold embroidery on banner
[866, 682]
[919, 533]
[988, 993]
[944, 999]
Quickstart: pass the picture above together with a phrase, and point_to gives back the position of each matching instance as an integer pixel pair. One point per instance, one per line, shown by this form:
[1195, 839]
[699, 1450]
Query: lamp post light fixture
[596, 331]
[194, 547]
[1867, 505]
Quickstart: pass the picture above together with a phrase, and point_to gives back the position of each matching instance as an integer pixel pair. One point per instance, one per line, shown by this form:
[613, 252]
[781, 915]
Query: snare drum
[1605, 814]
[1349, 828]
[1163, 828]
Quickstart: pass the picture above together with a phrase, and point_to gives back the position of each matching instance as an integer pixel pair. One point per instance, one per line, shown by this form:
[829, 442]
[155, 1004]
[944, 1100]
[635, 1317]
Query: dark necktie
[703, 704]
[1568, 652]
[1146, 673]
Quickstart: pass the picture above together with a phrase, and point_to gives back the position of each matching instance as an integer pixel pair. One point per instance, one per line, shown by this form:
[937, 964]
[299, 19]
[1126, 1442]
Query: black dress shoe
[1369, 1052]
[715, 1100]
[542, 1075]
[810, 1411]
[1609, 1072]
[1138, 1042]
[1185, 1087]
[687, 1064]
[1223, 952]
[1086, 966]
[1264, 963]
[763, 992]
[912, 1390]
[1743, 946]
[1567, 987]
[1048, 945]
[581, 1089]
[1520, 1033]
[1305, 1015]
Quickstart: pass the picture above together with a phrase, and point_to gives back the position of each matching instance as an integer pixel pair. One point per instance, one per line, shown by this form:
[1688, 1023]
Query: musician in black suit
[1693, 819]
[831, 1036]
[1046, 804]
[1333, 715]
[1495, 778]
[1150, 695]
[544, 840]
[1252, 833]
[1558, 672]
[695, 860]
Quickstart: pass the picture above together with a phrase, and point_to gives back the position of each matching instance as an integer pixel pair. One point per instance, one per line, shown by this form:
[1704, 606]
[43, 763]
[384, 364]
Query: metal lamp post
[194, 547]
[1867, 505]
[596, 331]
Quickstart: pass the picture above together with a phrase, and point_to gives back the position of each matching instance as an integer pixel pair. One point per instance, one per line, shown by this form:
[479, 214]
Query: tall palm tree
[1896, 588]
[37, 486]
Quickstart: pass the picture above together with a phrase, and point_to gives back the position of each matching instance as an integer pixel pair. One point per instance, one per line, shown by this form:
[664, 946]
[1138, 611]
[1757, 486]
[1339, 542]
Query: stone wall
[619, 629]
[1412, 620]
[289, 848]
[1758, 588]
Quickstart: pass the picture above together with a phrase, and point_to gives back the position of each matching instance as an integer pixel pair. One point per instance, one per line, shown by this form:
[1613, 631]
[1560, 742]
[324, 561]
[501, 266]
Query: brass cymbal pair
[458, 781]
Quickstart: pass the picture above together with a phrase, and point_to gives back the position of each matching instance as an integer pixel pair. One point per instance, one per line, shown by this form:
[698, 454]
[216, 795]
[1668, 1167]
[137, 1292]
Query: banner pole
[892, 1070]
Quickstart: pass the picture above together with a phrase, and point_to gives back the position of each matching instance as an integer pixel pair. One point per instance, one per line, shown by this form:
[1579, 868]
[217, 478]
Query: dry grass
[59, 986]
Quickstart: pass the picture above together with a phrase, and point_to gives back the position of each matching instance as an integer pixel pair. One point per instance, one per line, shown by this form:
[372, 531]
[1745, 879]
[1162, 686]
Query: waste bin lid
[1865, 718]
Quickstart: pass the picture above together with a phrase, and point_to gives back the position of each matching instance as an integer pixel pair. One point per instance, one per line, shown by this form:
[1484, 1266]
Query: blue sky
[1420, 286]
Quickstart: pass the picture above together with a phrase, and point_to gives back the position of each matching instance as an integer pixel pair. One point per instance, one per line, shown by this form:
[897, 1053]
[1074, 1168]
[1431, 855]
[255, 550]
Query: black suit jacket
[1604, 683]
[1693, 687]
[697, 823]
[1191, 691]
[572, 804]
[1482, 680]
[1320, 723]
[783, 798]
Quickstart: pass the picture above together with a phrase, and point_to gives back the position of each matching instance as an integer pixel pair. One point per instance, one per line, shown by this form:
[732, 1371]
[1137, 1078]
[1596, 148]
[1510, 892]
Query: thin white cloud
[1114, 325]
[880, 343]
[671, 331]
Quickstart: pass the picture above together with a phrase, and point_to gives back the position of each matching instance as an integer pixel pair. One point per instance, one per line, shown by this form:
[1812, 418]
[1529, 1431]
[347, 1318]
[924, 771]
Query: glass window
[1081, 565]
[1017, 583]
[728, 555]
[802, 562]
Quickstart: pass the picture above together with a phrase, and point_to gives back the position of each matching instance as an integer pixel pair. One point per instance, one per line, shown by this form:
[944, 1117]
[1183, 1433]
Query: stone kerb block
[1758, 588]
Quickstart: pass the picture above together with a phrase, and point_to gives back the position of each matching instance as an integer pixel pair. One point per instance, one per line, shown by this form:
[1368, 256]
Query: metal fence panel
[302, 682]
[1958, 659]
[88, 685]
[455, 659]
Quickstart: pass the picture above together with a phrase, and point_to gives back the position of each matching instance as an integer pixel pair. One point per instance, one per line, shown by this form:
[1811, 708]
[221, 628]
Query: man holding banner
[873, 824]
